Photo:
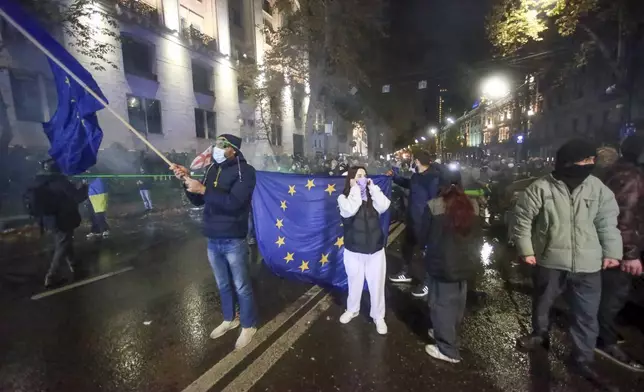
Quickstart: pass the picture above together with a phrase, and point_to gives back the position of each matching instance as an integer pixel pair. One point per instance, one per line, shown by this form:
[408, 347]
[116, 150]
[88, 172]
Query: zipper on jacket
[366, 222]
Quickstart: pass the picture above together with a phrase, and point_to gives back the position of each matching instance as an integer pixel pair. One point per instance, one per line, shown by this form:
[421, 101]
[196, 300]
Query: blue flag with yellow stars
[299, 228]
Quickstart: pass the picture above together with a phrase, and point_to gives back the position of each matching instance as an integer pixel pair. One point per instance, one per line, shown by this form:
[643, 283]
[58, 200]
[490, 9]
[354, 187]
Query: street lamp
[432, 131]
[416, 140]
[495, 87]
[450, 120]
[423, 138]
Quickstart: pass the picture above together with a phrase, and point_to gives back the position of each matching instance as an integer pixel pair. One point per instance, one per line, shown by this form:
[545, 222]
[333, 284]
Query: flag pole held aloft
[8, 4]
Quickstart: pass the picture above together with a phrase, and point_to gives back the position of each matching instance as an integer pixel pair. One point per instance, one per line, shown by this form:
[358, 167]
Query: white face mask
[218, 155]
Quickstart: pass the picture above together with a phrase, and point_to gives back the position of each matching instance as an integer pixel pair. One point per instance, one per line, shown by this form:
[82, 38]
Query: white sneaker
[92, 235]
[381, 326]
[430, 332]
[106, 234]
[223, 328]
[434, 352]
[245, 337]
[348, 316]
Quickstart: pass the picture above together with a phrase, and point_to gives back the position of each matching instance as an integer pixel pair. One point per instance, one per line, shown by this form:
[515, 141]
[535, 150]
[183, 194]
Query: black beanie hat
[449, 177]
[573, 151]
[232, 139]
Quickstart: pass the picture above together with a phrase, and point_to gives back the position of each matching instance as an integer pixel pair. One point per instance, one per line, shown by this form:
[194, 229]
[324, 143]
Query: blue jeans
[229, 261]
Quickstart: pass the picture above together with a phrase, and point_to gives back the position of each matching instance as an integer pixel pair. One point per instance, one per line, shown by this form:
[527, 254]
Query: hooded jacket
[229, 188]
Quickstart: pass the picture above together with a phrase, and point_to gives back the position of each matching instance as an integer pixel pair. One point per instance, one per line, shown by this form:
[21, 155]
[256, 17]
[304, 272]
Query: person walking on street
[566, 226]
[54, 201]
[422, 186]
[225, 193]
[144, 191]
[98, 209]
[451, 234]
[361, 204]
[626, 179]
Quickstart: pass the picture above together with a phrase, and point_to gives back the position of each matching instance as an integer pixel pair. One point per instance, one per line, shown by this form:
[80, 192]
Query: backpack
[39, 201]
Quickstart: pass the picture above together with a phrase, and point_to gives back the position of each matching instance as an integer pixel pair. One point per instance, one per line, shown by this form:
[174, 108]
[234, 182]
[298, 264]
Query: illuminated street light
[433, 131]
[495, 87]
[423, 137]
[416, 140]
[449, 120]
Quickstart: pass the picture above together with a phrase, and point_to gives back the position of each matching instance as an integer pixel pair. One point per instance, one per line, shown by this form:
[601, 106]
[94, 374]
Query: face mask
[218, 155]
[362, 183]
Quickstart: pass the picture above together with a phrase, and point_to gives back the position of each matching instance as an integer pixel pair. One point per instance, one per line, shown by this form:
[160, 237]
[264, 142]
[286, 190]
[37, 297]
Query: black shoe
[401, 277]
[617, 355]
[52, 282]
[420, 291]
[585, 371]
[532, 342]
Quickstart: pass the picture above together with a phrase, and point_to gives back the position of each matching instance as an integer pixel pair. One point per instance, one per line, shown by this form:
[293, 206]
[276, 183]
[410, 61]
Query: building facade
[175, 81]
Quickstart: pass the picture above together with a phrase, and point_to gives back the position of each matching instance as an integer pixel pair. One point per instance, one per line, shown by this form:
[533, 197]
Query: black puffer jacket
[66, 198]
[449, 257]
[362, 232]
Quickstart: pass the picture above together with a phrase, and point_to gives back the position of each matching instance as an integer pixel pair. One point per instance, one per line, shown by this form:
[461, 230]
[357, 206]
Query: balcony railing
[199, 40]
[138, 10]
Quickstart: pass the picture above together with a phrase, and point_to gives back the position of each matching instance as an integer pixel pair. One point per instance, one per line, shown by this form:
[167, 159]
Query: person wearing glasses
[225, 193]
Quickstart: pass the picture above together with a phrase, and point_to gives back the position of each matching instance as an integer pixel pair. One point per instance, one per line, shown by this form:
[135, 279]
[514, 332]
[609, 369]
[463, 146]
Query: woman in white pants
[361, 204]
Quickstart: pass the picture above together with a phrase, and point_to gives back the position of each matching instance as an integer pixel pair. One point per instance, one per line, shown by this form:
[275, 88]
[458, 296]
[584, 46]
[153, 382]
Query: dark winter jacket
[65, 197]
[361, 220]
[422, 188]
[229, 188]
[449, 256]
[626, 180]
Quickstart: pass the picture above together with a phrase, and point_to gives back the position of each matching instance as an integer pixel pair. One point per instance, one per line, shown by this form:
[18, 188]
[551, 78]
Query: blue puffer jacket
[229, 188]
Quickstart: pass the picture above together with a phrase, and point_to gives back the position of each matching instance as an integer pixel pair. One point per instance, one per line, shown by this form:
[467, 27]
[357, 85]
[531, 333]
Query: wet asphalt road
[146, 329]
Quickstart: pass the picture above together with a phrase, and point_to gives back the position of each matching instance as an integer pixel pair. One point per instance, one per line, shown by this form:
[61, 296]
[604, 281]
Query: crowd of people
[582, 233]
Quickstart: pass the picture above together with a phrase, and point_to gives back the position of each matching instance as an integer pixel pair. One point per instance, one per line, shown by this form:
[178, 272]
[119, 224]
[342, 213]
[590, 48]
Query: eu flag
[73, 131]
[298, 225]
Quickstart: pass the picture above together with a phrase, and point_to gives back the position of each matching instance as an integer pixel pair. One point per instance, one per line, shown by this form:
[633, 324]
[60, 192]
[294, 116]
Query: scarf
[573, 175]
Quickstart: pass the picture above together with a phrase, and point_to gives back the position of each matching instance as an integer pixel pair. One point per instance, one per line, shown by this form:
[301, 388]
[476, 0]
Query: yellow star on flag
[330, 188]
[309, 184]
[280, 241]
[283, 205]
[340, 242]
[66, 80]
[325, 259]
[289, 257]
[291, 190]
[280, 223]
[304, 266]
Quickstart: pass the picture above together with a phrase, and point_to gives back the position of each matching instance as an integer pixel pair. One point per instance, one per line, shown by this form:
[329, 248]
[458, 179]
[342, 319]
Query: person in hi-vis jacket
[361, 204]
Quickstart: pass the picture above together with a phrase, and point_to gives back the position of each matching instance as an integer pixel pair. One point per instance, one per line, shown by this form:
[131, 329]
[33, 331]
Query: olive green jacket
[568, 232]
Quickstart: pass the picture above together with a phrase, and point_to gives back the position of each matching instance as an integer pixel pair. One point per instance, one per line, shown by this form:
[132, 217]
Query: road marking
[79, 284]
[395, 233]
[213, 375]
[255, 371]
[217, 372]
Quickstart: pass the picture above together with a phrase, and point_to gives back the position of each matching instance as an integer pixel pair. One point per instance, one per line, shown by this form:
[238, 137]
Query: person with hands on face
[566, 226]
[361, 204]
[225, 193]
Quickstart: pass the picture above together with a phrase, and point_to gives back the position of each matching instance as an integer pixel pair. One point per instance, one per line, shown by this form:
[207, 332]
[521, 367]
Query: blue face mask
[218, 154]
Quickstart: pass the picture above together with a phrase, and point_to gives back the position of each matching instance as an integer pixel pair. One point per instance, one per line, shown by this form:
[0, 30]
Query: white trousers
[373, 268]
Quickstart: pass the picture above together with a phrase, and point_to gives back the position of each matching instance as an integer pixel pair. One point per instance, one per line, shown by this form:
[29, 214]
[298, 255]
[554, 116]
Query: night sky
[442, 41]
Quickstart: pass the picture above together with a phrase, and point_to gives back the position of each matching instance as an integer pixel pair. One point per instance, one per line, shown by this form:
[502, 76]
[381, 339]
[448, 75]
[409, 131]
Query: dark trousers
[582, 291]
[64, 250]
[446, 309]
[616, 286]
[409, 247]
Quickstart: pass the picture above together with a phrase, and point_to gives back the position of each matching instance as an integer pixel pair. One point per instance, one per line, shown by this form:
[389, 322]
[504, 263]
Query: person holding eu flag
[361, 204]
[225, 193]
